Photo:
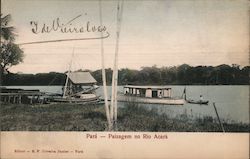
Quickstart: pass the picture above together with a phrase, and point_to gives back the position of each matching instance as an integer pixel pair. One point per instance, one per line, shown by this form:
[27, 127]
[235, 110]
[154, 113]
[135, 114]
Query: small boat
[74, 92]
[205, 102]
[149, 94]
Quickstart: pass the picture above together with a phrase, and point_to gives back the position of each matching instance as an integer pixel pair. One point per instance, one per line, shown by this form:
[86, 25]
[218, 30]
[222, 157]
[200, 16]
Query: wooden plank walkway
[17, 95]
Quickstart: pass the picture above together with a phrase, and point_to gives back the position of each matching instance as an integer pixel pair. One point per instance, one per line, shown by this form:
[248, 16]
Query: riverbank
[66, 117]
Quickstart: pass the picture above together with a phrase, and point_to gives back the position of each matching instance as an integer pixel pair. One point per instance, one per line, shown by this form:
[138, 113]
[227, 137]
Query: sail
[82, 78]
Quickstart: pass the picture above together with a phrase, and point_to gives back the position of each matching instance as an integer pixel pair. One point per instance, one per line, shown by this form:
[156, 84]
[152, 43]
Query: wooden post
[68, 74]
[218, 118]
[115, 70]
[9, 99]
[41, 100]
[14, 99]
[38, 98]
[20, 99]
[105, 92]
[31, 100]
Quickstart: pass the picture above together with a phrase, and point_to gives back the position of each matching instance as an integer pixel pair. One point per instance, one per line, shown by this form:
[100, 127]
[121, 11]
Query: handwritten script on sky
[69, 26]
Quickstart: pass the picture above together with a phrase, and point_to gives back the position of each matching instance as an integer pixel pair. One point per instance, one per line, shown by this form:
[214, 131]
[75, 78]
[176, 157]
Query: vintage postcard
[124, 79]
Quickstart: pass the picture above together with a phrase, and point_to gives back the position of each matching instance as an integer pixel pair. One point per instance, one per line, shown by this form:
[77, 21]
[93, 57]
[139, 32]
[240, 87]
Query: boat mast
[113, 108]
[105, 92]
[68, 73]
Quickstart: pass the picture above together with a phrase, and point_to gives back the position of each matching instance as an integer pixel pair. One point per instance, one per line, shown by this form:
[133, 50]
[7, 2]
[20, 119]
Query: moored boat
[205, 102]
[150, 95]
[73, 91]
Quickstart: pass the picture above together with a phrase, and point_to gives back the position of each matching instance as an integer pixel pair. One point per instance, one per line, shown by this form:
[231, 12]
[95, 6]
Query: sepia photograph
[133, 66]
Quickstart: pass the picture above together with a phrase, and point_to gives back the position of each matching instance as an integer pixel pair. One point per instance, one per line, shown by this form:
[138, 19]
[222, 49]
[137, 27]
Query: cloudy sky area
[157, 32]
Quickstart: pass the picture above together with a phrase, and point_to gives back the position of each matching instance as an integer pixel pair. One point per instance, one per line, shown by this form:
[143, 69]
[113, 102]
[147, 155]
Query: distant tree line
[177, 75]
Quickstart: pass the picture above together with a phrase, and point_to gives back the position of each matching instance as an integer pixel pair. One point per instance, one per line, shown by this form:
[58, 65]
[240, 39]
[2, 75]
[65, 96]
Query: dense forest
[177, 75]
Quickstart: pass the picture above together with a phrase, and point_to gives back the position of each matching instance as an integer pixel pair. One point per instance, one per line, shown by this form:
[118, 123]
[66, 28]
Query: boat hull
[198, 102]
[76, 100]
[136, 99]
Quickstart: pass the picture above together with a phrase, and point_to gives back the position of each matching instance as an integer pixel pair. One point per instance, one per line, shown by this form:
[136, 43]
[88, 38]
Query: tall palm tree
[6, 30]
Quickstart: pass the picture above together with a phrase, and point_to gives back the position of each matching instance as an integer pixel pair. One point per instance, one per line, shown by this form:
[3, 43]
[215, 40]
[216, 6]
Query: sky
[153, 32]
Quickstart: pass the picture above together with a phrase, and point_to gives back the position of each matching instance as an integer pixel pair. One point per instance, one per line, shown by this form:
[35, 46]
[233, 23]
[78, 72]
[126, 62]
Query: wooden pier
[20, 96]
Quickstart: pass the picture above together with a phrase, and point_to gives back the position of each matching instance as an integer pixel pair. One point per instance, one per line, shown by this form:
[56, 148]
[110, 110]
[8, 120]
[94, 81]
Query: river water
[232, 102]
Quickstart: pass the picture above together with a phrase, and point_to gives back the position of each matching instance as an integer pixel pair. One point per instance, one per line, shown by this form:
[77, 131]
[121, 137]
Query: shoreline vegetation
[132, 117]
[177, 75]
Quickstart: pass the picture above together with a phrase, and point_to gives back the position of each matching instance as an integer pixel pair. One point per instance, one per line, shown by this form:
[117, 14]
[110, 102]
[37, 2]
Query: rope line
[63, 40]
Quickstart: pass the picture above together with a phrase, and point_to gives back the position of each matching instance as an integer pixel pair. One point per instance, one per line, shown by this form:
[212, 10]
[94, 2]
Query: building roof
[81, 78]
[147, 87]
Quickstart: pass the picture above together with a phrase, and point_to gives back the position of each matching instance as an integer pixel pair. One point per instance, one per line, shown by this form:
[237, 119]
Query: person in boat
[201, 98]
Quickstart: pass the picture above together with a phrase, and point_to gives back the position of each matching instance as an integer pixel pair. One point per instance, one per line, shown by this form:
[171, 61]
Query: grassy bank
[65, 117]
